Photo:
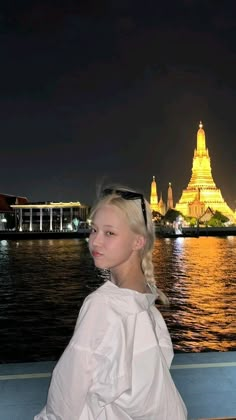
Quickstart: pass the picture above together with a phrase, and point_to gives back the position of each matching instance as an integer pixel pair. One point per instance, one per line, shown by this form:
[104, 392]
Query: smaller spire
[170, 203]
[200, 125]
[153, 196]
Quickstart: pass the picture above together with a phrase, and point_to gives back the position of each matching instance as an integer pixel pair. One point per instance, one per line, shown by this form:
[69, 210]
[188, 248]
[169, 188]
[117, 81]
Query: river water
[44, 282]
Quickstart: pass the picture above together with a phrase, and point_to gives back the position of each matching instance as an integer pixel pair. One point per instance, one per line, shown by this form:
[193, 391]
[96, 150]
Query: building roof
[7, 200]
[48, 205]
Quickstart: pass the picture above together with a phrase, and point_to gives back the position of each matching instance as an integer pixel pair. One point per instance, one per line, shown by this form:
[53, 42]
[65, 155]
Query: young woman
[116, 366]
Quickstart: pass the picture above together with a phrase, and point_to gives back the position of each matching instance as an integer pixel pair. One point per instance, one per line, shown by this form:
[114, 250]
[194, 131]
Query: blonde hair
[134, 212]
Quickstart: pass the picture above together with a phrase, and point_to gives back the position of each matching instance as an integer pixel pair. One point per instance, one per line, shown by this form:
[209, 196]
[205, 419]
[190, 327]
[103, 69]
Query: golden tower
[170, 201]
[154, 196]
[161, 206]
[201, 191]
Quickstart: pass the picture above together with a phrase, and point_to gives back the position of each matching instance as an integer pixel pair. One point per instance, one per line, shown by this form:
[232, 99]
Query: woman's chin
[100, 265]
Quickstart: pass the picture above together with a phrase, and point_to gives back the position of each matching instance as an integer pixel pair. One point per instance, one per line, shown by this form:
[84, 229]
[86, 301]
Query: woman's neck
[134, 281]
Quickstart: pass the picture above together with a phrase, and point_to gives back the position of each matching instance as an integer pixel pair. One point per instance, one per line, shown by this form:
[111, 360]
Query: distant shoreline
[161, 232]
[81, 233]
[195, 232]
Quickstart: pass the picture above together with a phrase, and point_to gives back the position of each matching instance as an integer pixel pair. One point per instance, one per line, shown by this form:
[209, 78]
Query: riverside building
[50, 217]
[7, 217]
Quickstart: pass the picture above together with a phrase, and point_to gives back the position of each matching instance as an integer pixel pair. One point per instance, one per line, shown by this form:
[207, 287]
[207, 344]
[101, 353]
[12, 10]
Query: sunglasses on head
[128, 195]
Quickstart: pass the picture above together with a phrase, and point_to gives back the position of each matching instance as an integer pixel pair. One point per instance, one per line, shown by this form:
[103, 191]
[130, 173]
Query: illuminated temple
[155, 205]
[201, 192]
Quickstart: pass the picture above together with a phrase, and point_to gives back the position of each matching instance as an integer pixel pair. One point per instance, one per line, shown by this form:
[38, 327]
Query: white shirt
[116, 366]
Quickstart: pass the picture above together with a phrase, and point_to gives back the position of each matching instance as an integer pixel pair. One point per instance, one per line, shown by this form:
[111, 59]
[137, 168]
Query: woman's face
[111, 242]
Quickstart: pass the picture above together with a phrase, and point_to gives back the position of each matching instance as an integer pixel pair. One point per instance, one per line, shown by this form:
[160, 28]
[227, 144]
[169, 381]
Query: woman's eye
[109, 233]
[92, 230]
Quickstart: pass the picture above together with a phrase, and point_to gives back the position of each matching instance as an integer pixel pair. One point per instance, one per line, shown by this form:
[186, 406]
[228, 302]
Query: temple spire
[154, 196]
[161, 205]
[170, 201]
[201, 140]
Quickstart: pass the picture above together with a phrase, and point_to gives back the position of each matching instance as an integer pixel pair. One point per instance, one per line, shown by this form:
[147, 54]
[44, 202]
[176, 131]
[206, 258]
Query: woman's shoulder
[100, 301]
[106, 292]
[102, 293]
[121, 301]
[112, 300]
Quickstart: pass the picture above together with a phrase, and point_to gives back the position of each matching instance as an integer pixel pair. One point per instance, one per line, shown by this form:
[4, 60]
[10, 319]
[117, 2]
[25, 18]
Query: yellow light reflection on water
[201, 282]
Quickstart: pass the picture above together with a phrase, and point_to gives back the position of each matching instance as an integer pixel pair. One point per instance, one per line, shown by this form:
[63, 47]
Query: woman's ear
[139, 242]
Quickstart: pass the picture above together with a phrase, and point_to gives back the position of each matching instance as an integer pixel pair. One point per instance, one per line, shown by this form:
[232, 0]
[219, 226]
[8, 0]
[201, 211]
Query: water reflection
[43, 284]
[200, 280]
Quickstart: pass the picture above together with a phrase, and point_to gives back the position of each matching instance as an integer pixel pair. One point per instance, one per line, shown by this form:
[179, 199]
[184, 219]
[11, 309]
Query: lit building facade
[201, 191]
[50, 217]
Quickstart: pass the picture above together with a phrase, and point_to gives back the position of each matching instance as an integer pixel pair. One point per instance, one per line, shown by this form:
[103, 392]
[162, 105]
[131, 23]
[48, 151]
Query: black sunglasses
[128, 195]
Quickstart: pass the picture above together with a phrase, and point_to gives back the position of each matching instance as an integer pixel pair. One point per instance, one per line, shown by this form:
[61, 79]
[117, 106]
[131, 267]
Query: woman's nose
[97, 238]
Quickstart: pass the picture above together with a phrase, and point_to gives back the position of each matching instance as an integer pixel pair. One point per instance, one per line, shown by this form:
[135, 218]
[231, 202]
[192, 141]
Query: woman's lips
[96, 254]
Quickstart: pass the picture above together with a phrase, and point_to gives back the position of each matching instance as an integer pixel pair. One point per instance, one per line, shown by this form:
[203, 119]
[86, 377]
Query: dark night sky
[94, 91]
